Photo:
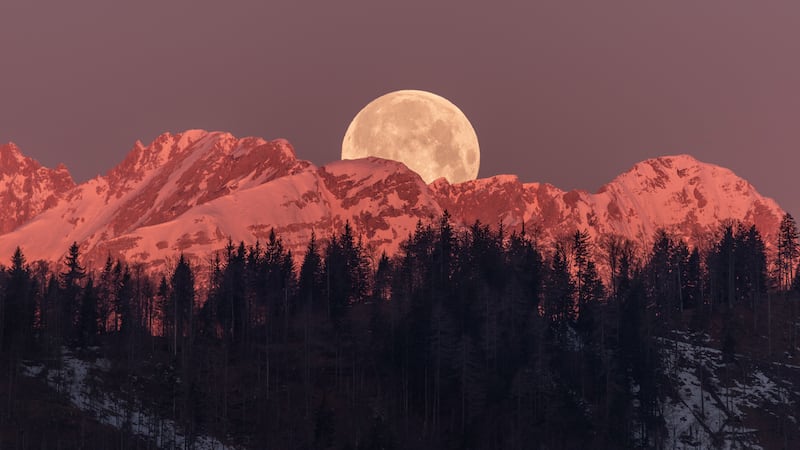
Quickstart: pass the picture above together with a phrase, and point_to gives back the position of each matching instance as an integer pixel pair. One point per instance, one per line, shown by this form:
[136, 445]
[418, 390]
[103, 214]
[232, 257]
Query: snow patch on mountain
[75, 378]
[711, 403]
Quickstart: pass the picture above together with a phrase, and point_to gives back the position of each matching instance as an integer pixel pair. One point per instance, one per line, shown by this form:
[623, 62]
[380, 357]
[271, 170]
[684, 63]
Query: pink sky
[567, 92]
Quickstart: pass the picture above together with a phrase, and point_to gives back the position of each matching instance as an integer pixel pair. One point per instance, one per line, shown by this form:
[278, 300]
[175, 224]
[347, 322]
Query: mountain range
[192, 191]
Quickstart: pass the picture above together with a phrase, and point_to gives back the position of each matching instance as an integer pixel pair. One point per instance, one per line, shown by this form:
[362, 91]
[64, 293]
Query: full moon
[426, 132]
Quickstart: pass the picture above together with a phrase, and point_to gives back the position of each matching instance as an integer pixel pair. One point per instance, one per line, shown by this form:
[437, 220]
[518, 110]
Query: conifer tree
[619, 253]
[590, 295]
[660, 275]
[50, 311]
[788, 251]
[75, 272]
[231, 296]
[106, 291]
[525, 266]
[163, 296]
[580, 258]
[87, 320]
[309, 296]
[345, 273]
[71, 286]
[445, 250]
[692, 281]
[752, 265]
[559, 295]
[123, 296]
[18, 306]
[310, 283]
[182, 296]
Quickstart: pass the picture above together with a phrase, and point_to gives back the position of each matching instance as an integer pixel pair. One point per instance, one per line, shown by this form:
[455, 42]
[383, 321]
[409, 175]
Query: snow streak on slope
[711, 404]
[75, 378]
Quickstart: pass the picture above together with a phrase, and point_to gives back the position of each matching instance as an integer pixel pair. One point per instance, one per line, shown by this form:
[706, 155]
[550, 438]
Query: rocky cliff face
[27, 188]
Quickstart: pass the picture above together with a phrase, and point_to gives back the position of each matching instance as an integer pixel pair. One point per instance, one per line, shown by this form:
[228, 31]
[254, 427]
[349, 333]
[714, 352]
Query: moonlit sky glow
[567, 92]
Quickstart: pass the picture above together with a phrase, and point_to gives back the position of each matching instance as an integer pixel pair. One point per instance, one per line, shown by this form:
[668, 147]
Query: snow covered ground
[73, 379]
[710, 405]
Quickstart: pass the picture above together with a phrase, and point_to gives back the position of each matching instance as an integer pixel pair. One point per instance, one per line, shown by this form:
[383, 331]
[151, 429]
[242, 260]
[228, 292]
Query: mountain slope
[382, 199]
[154, 184]
[191, 192]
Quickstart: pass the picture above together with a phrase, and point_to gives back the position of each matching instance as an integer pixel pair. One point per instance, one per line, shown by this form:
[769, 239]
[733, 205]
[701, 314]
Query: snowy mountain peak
[686, 196]
[12, 159]
[390, 183]
[678, 193]
[285, 146]
[665, 171]
[189, 192]
[27, 188]
[154, 184]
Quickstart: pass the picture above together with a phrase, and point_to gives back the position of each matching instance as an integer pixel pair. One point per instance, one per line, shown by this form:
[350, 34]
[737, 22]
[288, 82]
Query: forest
[465, 339]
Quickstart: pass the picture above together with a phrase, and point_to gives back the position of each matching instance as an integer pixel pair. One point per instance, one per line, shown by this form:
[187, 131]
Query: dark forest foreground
[474, 339]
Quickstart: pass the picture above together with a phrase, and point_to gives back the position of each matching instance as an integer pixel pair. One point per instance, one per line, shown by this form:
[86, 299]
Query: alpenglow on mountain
[193, 191]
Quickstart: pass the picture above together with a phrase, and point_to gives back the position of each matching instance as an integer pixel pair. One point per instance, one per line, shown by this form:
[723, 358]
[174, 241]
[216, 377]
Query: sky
[566, 92]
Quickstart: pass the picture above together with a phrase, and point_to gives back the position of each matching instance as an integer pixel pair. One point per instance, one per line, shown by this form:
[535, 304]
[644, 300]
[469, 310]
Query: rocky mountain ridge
[190, 192]
[27, 188]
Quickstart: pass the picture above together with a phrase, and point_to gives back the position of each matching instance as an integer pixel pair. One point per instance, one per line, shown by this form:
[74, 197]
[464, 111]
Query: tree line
[480, 338]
